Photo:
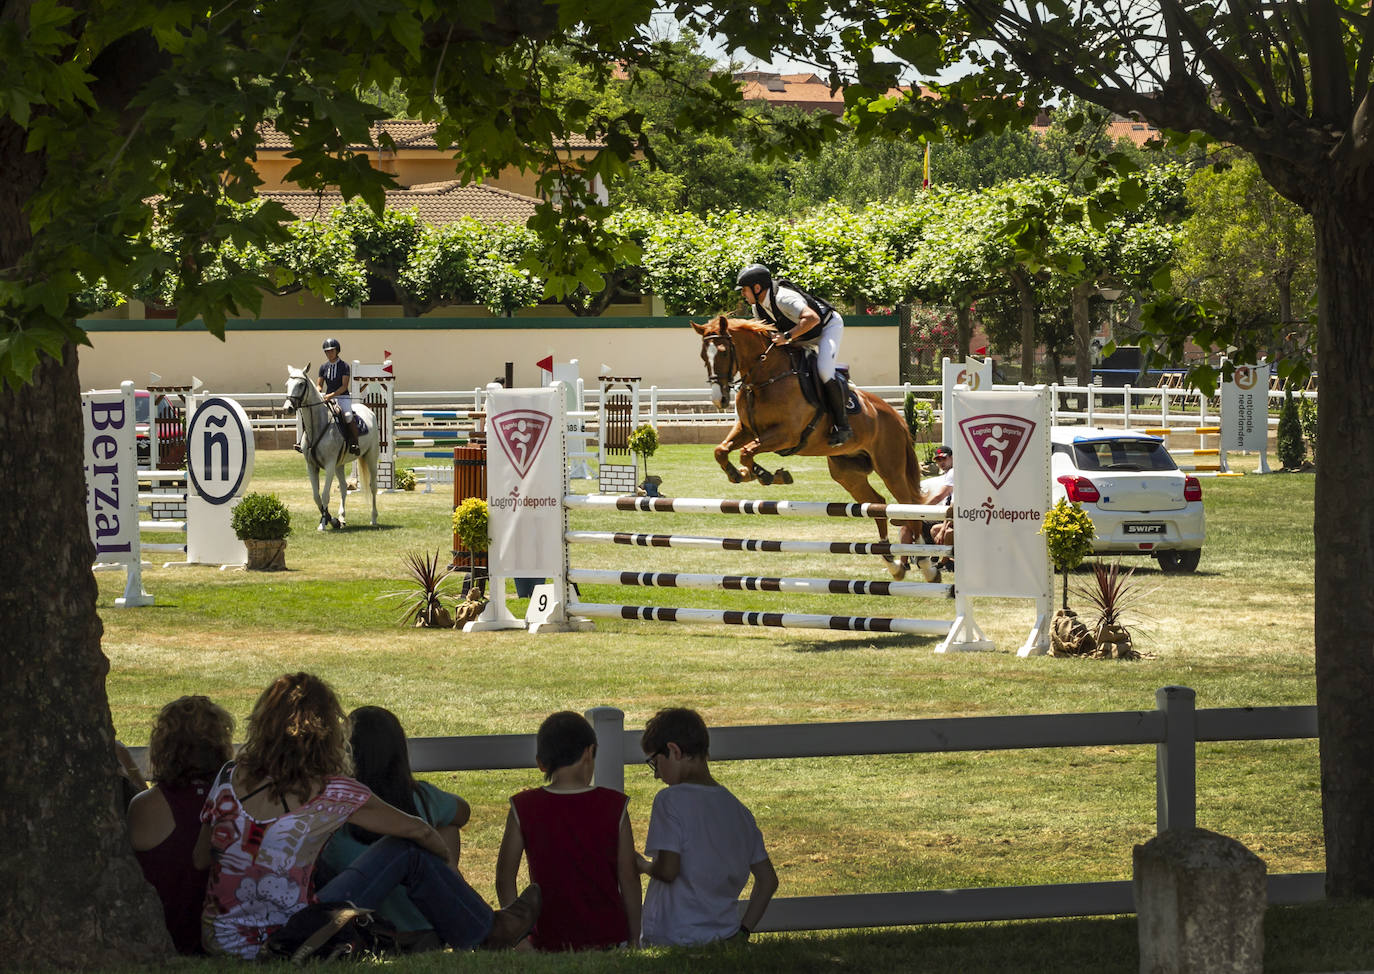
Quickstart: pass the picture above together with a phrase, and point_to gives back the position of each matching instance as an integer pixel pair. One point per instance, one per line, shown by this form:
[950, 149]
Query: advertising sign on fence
[525, 476]
[1001, 443]
[973, 375]
[1245, 409]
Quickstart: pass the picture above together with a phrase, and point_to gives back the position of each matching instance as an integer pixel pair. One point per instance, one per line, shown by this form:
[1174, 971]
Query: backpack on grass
[330, 931]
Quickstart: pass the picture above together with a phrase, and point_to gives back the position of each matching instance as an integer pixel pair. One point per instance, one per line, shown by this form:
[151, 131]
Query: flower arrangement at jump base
[471, 522]
[643, 442]
[262, 523]
[1069, 533]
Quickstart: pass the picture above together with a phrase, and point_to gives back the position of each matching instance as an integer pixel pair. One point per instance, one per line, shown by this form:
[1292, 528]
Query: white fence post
[609, 724]
[1176, 760]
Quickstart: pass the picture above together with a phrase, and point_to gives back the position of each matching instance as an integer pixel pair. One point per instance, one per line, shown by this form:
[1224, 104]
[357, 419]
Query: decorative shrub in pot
[262, 523]
[643, 442]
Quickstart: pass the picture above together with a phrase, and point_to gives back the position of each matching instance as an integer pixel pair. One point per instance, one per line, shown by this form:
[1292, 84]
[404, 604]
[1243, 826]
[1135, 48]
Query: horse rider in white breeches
[804, 319]
[332, 381]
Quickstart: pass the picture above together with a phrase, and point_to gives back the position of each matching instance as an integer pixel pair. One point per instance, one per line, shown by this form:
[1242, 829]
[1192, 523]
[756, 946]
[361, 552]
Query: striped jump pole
[699, 505]
[758, 583]
[776, 620]
[777, 545]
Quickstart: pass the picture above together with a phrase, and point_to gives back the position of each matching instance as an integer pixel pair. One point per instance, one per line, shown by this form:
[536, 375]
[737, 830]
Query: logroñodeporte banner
[1001, 443]
[525, 480]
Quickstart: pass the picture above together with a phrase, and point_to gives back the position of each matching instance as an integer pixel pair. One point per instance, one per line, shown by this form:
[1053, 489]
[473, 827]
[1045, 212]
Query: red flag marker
[545, 363]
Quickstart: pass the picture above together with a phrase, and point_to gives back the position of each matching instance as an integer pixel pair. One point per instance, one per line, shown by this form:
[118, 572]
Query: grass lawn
[1238, 631]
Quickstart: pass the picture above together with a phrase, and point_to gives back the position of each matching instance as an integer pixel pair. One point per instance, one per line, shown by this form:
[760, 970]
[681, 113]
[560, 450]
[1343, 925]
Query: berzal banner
[111, 463]
[1001, 443]
[1245, 409]
[525, 480]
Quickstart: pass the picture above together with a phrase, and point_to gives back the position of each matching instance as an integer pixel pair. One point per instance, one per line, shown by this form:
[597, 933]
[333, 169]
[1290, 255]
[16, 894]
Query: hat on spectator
[943, 451]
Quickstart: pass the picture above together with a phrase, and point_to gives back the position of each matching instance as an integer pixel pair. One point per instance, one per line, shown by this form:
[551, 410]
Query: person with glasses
[940, 489]
[704, 842]
[579, 844]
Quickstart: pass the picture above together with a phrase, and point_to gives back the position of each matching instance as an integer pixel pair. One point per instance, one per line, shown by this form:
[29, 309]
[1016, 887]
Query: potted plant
[262, 523]
[643, 442]
[1112, 593]
[470, 526]
[1068, 535]
[404, 478]
[424, 605]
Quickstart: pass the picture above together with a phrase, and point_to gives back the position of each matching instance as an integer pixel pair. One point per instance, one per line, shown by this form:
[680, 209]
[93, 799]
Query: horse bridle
[723, 342]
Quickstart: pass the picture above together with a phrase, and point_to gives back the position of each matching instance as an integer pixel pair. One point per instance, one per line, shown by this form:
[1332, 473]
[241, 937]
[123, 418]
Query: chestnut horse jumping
[772, 414]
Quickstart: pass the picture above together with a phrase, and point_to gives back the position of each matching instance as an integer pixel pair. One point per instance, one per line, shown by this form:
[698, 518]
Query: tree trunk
[73, 894]
[1344, 533]
[963, 328]
[1082, 334]
[1026, 306]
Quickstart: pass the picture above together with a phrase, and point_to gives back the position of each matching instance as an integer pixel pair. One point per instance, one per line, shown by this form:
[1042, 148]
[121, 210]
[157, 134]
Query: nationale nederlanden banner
[1001, 443]
[525, 480]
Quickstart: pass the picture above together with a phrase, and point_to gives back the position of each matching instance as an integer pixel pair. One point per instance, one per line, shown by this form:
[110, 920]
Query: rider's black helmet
[755, 274]
[332, 343]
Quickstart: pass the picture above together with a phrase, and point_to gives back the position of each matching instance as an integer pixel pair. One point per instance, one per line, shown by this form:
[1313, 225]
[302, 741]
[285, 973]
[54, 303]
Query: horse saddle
[337, 413]
[804, 364]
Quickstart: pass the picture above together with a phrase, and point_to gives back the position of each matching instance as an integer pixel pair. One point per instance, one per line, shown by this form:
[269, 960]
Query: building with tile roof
[805, 91]
[415, 160]
[435, 203]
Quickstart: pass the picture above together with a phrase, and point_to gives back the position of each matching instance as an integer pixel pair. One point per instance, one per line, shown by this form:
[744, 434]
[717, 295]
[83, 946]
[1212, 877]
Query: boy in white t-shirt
[704, 843]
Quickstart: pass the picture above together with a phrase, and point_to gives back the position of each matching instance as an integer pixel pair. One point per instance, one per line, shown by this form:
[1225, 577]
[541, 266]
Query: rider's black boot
[834, 400]
[350, 430]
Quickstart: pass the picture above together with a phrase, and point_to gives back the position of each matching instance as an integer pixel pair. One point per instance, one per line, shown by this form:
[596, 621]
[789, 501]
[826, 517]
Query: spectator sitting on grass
[192, 739]
[381, 761]
[704, 842]
[579, 844]
[270, 813]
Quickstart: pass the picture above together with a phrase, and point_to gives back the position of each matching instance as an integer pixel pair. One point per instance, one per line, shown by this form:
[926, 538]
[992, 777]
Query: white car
[1138, 499]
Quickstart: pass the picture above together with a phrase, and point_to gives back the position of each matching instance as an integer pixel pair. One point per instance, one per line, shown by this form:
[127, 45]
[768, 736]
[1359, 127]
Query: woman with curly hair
[270, 813]
[192, 739]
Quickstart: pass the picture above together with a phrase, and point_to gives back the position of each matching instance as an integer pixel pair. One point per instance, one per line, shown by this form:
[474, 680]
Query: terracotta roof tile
[406, 133]
[436, 203]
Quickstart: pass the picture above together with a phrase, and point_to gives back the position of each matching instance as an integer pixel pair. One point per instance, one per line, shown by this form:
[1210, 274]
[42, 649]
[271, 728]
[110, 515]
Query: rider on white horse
[333, 384]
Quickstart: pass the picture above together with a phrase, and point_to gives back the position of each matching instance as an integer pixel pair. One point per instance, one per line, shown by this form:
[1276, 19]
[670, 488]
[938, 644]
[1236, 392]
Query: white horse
[326, 449]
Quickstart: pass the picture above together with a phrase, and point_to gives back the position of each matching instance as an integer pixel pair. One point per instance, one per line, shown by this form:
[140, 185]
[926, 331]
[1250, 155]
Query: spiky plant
[426, 604]
[1114, 594]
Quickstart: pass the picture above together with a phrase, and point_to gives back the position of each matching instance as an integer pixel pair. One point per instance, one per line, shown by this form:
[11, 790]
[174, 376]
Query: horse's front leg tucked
[723, 452]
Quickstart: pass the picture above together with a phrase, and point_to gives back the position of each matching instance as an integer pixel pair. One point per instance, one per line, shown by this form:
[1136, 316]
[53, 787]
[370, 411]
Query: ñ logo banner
[521, 432]
[997, 442]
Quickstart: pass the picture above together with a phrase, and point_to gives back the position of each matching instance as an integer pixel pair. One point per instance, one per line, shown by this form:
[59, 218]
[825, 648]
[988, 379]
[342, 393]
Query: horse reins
[296, 403]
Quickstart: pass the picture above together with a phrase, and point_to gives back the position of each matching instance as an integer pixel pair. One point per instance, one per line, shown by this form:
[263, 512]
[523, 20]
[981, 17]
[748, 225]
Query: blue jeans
[458, 914]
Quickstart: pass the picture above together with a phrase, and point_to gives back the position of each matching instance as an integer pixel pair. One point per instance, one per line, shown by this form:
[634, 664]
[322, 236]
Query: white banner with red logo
[1245, 409]
[525, 480]
[1001, 443]
[976, 375]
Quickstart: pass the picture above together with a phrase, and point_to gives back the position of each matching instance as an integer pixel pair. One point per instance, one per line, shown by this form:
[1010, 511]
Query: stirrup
[840, 435]
[353, 449]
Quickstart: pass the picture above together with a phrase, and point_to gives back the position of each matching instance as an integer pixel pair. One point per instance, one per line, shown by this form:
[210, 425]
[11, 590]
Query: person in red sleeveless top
[579, 844]
[192, 739]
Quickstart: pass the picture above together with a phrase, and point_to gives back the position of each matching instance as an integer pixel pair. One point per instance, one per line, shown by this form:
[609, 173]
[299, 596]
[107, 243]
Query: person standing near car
[332, 381]
[805, 319]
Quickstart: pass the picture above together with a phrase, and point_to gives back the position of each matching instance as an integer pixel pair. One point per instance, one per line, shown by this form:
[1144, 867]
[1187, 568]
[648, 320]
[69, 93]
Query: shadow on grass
[869, 640]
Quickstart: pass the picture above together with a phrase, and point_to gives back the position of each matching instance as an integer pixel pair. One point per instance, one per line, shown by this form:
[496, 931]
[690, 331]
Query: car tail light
[1192, 489]
[1079, 490]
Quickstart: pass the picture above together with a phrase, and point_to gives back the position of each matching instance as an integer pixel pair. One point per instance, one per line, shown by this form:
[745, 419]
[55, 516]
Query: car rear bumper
[1132, 532]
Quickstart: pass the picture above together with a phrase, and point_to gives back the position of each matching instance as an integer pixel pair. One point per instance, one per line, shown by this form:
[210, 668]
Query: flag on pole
[925, 179]
[545, 363]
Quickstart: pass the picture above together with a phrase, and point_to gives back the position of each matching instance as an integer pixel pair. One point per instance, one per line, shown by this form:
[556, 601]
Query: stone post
[1200, 900]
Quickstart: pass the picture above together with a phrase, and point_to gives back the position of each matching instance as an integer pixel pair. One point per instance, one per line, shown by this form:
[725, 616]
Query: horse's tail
[913, 469]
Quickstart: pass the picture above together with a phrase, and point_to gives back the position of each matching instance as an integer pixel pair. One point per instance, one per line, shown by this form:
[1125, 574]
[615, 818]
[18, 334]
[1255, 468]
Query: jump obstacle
[219, 456]
[558, 606]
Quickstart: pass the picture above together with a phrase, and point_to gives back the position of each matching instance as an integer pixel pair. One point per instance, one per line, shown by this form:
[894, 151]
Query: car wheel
[1179, 561]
